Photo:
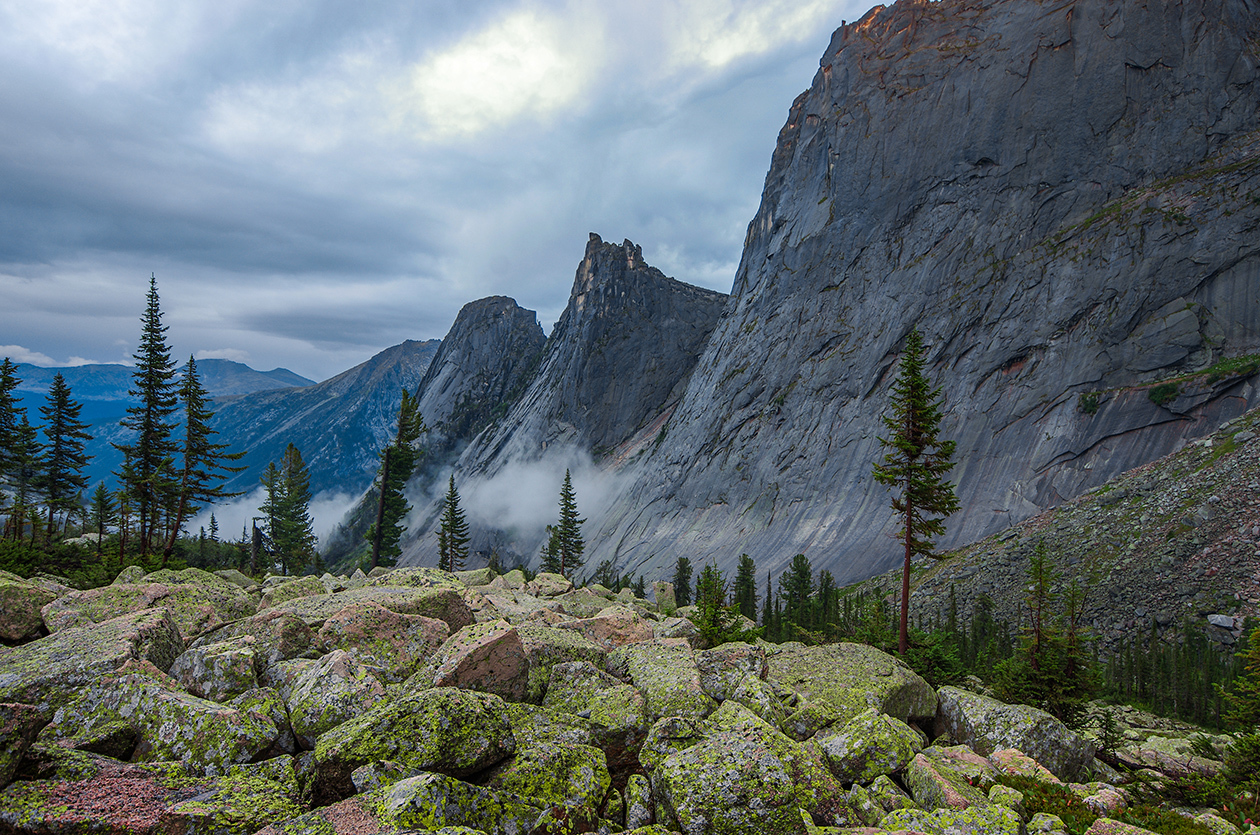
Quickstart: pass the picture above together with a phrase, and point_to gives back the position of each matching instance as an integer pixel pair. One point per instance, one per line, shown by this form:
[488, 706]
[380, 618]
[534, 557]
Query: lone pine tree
[452, 532]
[61, 477]
[563, 554]
[915, 465]
[398, 461]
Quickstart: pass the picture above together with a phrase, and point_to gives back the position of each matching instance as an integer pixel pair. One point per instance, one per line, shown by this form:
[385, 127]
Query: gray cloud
[314, 182]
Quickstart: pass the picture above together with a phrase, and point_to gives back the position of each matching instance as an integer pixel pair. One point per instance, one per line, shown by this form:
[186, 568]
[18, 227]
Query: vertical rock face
[620, 354]
[486, 358]
[616, 363]
[1063, 197]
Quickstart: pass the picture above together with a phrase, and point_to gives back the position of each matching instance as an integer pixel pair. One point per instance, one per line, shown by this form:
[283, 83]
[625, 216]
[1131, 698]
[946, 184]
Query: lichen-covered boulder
[639, 805]
[677, 628]
[1044, 823]
[332, 690]
[1009, 798]
[546, 646]
[236, 578]
[890, 795]
[620, 723]
[196, 607]
[19, 725]
[761, 698]
[533, 726]
[663, 594]
[573, 683]
[218, 671]
[129, 574]
[553, 773]
[546, 584]
[1107, 826]
[49, 672]
[810, 717]
[974, 820]
[276, 637]
[129, 799]
[579, 603]
[420, 577]
[613, 627]
[169, 723]
[851, 678]
[486, 656]
[475, 576]
[432, 801]
[20, 604]
[1013, 761]
[724, 668]
[935, 785]
[455, 732]
[865, 805]
[868, 745]
[1101, 798]
[266, 703]
[291, 590]
[390, 644]
[443, 603]
[665, 672]
[987, 725]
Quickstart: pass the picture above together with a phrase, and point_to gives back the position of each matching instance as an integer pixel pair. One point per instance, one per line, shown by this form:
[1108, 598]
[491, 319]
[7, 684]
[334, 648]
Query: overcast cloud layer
[314, 181]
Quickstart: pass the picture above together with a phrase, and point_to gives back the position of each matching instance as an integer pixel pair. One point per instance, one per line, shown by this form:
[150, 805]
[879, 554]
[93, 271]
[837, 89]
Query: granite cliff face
[613, 369]
[1063, 197]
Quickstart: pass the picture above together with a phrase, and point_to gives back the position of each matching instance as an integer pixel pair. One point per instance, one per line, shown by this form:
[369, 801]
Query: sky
[312, 181]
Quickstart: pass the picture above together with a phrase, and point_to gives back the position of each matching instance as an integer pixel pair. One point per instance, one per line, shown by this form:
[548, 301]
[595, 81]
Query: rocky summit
[421, 701]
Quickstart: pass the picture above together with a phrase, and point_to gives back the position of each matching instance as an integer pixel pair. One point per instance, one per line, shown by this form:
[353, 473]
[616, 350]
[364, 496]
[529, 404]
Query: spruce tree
[452, 532]
[682, 581]
[102, 513]
[10, 416]
[286, 509]
[1244, 699]
[915, 465]
[796, 587]
[25, 455]
[204, 464]
[567, 532]
[398, 461]
[745, 591]
[149, 458]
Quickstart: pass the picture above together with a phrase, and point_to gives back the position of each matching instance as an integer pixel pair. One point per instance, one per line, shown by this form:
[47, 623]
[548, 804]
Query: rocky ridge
[1065, 200]
[422, 701]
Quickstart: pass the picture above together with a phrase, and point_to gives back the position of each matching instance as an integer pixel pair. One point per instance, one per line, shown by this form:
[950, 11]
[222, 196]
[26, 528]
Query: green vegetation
[398, 462]
[563, 553]
[286, 510]
[1087, 402]
[682, 581]
[61, 477]
[1060, 800]
[1164, 393]
[915, 465]
[452, 532]
[716, 621]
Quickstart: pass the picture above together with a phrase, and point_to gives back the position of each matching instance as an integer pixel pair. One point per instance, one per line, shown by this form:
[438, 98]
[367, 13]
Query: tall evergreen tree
[62, 477]
[398, 461]
[452, 532]
[745, 591]
[682, 581]
[24, 465]
[286, 509]
[10, 416]
[565, 542]
[796, 587]
[205, 464]
[915, 465]
[148, 470]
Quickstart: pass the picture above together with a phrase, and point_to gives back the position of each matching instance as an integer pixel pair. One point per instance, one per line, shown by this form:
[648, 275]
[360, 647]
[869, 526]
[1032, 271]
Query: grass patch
[1077, 817]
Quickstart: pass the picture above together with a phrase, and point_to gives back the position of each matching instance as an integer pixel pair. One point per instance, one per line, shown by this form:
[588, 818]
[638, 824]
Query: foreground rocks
[388, 707]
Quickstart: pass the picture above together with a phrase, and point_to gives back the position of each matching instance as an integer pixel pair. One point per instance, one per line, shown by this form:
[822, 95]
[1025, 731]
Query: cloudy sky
[313, 180]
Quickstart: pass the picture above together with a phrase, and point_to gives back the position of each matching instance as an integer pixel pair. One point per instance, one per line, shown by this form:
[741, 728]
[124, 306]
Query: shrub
[1087, 402]
[1164, 393]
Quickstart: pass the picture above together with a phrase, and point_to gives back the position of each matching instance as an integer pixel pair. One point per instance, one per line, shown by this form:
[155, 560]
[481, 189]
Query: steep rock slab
[846, 679]
[50, 671]
[1057, 197]
[615, 364]
[987, 725]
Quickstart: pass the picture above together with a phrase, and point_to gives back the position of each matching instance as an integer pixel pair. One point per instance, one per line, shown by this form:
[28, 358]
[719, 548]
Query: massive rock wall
[1062, 196]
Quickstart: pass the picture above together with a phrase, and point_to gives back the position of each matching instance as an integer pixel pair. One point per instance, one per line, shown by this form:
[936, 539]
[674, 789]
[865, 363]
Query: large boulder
[389, 643]
[169, 724]
[332, 690]
[196, 607]
[49, 672]
[988, 820]
[572, 685]
[546, 646]
[613, 627]
[850, 678]
[218, 671]
[868, 745]
[665, 672]
[724, 668]
[291, 589]
[987, 725]
[455, 732]
[20, 603]
[420, 577]
[443, 603]
[935, 784]
[429, 802]
[274, 635]
[554, 772]
[19, 725]
[488, 657]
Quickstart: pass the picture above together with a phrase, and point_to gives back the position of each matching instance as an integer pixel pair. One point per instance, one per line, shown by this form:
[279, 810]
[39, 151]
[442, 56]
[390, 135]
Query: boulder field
[418, 700]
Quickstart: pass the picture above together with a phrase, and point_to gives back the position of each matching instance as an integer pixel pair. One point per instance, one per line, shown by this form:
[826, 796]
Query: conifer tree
[682, 581]
[102, 513]
[398, 461]
[10, 416]
[204, 464]
[149, 459]
[565, 544]
[1244, 700]
[915, 465]
[745, 591]
[286, 509]
[452, 532]
[24, 465]
[796, 587]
